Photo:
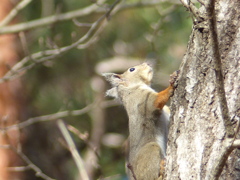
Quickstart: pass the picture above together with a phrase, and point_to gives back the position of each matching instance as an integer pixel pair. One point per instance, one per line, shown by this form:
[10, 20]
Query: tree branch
[188, 4]
[14, 12]
[76, 156]
[83, 137]
[43, 56]
[218, 70]
[38, 171]
[19, 168]
[30, 164]
[75, 14]
[228, 140]
[192, 8]
[51, 19]
[58, 115]
[90, 37]
[49, 117]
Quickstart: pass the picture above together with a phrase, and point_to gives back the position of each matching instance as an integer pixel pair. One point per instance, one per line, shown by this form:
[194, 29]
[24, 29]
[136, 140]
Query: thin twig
[49, 117]
[76, 156]
[50, 54]
[62, 114]
[192, 8]
[19, 168]
[94, 38]
[79, 24]
[84, 138]
[22, 4]
[90, 37]
[76, 14]
[51, 19]
[201, 2]
[30, 164]
[38, 171]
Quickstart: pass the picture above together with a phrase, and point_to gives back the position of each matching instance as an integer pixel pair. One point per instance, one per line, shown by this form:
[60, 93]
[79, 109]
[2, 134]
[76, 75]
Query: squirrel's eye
[132, 69]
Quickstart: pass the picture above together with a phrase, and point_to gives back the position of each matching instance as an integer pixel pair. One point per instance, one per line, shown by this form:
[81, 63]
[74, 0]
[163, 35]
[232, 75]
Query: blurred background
[66, 84]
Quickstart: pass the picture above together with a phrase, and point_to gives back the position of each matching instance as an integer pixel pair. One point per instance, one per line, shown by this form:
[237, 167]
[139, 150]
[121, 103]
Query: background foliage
[157, 32]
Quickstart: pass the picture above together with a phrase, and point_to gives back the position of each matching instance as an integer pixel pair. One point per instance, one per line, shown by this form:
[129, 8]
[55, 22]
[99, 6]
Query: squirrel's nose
[148, 63]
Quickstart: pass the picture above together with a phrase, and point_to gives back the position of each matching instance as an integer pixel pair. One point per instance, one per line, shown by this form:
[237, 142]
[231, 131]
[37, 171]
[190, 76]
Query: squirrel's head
[138, 75]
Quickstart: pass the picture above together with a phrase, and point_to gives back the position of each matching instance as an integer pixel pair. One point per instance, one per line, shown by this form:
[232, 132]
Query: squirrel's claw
[173, 77]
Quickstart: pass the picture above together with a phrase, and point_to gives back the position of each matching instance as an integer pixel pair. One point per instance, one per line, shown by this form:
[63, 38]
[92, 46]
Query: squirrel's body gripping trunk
[148, 129]
[148, 120]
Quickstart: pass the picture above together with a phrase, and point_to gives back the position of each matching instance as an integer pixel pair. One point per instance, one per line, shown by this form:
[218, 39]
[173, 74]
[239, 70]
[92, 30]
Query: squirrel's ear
[114, 79]
[112, 92]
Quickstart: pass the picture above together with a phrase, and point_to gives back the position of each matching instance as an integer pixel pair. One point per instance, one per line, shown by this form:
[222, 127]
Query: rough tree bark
[205, 106]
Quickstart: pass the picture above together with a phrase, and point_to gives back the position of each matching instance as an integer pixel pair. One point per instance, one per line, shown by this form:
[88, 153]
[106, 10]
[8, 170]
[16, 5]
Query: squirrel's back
[148, 118]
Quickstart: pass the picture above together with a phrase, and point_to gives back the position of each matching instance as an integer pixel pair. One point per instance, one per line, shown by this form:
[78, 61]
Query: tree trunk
[205, 106]
[98, 129]
[10, 101]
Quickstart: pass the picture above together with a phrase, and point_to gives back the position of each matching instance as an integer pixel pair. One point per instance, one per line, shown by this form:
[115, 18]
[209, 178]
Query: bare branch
[38, 171]
[76, 156]
[94, 38]
[201, 2]
[82, 136]
[79, 24]
[30, 164]
[14, 12]
[49, 117]
[230, 134]
[141, 4]
[19, 168]
[43, 56]
[58, 115]
[51, 19]
[90, 37]
[218, 70]
[224, 153]
[192, 8]
[76, 14]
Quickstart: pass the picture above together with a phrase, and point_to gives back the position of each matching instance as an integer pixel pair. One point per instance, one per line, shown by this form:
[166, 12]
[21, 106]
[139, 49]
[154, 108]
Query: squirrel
[148, 119]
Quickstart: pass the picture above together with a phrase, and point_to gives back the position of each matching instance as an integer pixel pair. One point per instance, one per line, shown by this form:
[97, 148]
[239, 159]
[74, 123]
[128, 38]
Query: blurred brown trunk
[98, 129]
[10, 101]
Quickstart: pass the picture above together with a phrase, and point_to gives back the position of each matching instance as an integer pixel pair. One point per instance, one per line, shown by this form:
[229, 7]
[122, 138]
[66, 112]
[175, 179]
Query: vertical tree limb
[218, 68]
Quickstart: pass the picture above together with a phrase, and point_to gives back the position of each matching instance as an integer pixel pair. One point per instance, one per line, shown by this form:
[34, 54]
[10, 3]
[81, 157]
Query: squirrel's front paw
[173, 77]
